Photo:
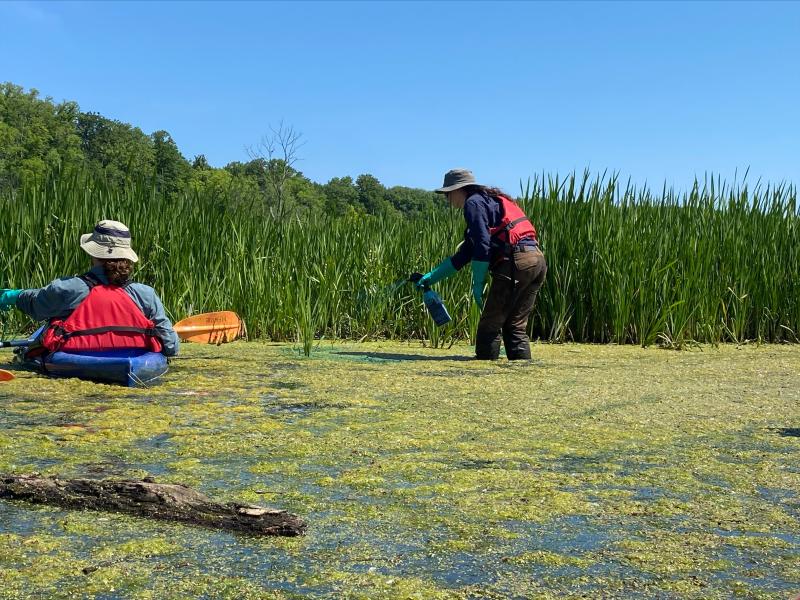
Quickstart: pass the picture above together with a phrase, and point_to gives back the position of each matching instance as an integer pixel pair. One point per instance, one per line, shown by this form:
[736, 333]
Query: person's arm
[475, 246]
[478, 231]
[168, 336]
[477, 228]
[57, 299]
[463, 253]
[448, 267]
[153, 309]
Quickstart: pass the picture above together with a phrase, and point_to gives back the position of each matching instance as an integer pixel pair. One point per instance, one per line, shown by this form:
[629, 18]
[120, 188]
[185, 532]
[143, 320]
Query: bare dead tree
[278, 153]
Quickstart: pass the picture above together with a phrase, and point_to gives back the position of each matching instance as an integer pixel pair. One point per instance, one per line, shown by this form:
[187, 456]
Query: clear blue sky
[404, 91]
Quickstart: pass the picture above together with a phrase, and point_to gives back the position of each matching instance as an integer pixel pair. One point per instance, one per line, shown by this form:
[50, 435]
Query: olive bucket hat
[109, 240]
[456, 178]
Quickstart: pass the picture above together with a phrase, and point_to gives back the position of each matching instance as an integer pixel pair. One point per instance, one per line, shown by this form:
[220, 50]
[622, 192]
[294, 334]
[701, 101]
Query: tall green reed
[717, 263]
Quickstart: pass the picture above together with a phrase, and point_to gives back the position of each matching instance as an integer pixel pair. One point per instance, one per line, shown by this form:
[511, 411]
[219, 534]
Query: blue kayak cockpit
[131, 367]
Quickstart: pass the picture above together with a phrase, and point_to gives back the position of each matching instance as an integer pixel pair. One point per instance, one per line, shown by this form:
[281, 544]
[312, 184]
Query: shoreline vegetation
[303, 261]
[714, 265]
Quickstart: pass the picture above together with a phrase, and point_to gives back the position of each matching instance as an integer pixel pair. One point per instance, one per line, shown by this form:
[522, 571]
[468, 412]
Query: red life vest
[107, 319]
[513, 227]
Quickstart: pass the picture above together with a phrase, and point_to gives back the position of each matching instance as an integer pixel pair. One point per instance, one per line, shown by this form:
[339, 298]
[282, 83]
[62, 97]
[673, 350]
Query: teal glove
[8, 298]
[479, 270]
[442, 271]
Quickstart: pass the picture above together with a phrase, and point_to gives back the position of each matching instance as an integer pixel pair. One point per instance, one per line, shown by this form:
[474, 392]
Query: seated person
[102, 309]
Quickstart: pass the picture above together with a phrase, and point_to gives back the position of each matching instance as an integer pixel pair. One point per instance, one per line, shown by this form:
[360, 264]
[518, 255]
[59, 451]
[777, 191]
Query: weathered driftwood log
[146, 498]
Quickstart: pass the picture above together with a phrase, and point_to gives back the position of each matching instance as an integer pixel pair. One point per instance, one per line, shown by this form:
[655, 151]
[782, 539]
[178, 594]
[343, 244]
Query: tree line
[39, 137]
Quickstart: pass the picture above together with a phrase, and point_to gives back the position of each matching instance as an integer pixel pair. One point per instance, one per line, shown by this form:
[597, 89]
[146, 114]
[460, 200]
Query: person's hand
[442, 271]
[8, 298]
[424, 281]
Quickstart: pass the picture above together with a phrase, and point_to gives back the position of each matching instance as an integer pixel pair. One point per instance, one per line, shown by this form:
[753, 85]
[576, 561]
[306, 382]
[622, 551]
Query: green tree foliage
[116, 149]
[412, 201]
[39, 136]
[217, 182]
[172, 171]
[340, 195]
[200, 163]
[304, 196]
[254, 170]
[372, 195]
[36, 136]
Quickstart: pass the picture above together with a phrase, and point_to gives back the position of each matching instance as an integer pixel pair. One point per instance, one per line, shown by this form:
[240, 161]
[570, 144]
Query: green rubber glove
[8, 298]
[479, 270]
[442, 271]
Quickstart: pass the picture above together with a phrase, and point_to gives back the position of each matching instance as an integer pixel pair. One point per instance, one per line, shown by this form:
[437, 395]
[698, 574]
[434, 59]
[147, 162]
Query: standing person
[102, 309]
[499, 237]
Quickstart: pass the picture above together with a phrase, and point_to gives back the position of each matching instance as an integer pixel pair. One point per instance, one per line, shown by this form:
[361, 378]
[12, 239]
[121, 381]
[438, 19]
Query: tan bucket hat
[109, 240]
[456, 178]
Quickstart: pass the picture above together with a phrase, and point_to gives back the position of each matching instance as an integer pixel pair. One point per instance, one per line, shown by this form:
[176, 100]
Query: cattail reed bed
[719, 263]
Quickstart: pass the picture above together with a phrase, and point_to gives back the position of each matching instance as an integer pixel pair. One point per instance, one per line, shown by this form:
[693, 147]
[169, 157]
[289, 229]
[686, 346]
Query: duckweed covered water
[592, 470]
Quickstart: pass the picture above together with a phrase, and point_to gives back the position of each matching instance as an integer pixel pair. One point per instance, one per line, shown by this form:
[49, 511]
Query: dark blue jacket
[480, 212]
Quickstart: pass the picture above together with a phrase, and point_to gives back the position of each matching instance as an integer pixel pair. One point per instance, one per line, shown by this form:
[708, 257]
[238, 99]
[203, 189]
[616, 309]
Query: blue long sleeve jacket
[480, 212]
[58, 299]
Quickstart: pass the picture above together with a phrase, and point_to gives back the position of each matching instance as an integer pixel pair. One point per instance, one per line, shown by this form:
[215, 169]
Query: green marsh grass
[718, 263]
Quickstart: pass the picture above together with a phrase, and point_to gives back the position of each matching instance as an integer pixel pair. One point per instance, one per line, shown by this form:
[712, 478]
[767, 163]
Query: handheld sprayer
[433, 302]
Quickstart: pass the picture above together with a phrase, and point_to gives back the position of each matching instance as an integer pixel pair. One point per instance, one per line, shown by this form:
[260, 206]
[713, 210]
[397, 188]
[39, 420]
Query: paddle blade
[6, 375]
[210, 328]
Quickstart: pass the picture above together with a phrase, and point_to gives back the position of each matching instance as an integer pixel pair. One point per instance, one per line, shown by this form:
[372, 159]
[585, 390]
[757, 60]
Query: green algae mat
[592, 471]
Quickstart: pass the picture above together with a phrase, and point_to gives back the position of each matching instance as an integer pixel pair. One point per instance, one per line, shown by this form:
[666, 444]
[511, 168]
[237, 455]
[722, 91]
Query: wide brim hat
[110, 240]
[456, 178]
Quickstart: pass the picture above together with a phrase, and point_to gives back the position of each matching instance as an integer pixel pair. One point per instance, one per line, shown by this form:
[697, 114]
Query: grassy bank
[716, 264]
[598, 470]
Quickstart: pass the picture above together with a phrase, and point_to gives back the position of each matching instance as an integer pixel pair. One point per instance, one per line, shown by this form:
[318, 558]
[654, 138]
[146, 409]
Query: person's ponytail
[118, 271]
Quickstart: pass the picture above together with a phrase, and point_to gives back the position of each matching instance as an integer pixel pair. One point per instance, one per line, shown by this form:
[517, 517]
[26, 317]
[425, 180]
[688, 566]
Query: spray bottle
[433, 302]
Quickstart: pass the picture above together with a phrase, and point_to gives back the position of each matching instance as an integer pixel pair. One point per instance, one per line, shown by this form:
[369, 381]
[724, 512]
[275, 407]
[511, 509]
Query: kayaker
[499, 238]
[102, 309]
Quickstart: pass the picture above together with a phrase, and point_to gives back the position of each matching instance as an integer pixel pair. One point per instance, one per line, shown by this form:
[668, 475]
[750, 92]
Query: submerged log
[146, 498]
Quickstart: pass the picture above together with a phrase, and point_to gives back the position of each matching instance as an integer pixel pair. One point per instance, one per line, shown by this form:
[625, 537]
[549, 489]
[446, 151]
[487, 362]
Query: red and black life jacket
[514, 227]
[107, 319]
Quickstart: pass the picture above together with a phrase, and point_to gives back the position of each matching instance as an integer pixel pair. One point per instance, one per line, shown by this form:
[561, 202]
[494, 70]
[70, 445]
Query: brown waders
[515, 283]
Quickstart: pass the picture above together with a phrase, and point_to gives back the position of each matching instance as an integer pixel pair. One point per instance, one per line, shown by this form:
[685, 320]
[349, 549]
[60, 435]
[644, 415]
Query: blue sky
[655, 91]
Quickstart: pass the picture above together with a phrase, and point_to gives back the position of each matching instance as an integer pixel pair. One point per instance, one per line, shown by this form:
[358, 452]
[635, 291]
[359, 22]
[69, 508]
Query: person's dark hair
[488, 191]
[118, 270]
